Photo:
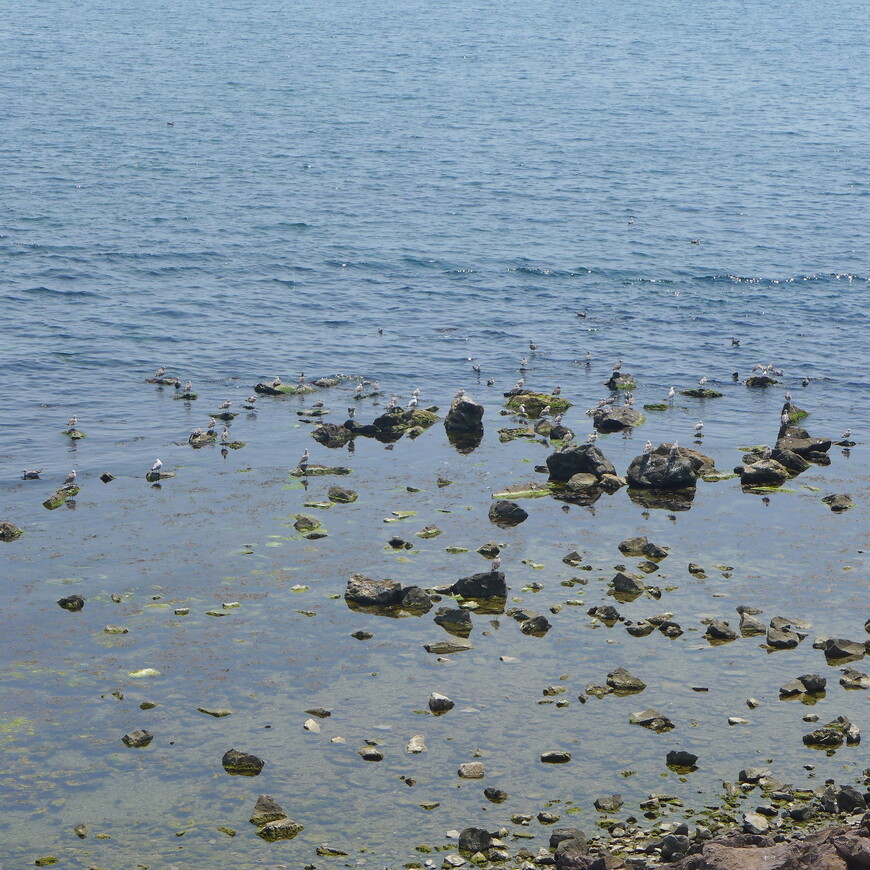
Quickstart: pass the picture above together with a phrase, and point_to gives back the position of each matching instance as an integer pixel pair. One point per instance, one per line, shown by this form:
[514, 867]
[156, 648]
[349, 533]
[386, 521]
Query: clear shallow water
[466, 179]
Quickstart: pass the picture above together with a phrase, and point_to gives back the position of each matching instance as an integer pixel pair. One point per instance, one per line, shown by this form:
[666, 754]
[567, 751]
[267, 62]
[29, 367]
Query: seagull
[532, 346]
[72, 421]
[188, 387]
[702, 382]
[225, 436]
[305, 457]
[350, 412]
[224, 405]
[784, 419]
[557, 390]
[212, 423]
[735, 342]
[197, 433]
[588, 356]
[490, 382]
[318, 404]
[160, 372]
[647, 448]
[70, 478]
[735, 376]
[522, 410]
[805, 382]
[301, 378]
[674, 448]
[788, 397]
[460, 393]
[357, 391]
[155, 469]
[31, 475]
[476, 369]
[557, 419]
[251, 399]
[413, 402]
[592, 437]
[496, 564]
[545, 411]
[847, 435]
[617, 365]
[415, 392]
[699, 427]
[376, 386]
[523, 363]
[276, 382]
[671, 393]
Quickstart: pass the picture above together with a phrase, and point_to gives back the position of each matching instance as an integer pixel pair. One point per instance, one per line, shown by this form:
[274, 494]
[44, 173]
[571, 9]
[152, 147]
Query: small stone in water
[312, 726]
[471, 770]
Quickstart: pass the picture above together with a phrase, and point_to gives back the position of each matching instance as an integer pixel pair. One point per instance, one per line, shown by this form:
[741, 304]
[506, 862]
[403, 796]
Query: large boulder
[585, 459]
[765, 472]
[663, 468]
[803, 446]
[465, 415]
[373, 593]
[487, 584]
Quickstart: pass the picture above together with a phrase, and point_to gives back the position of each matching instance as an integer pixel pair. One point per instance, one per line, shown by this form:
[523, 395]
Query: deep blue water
[237, 191]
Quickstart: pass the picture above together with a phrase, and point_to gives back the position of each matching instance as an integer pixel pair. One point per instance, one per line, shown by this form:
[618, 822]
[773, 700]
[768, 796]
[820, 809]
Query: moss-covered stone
[512, 433]
[74, 434]
[64, 493]
[9, 532]
[318, 470]
[656, 406]
[534, 403]
[760, 381]
[523, 490]
[701, 393]
[284, 389]
[187, 397]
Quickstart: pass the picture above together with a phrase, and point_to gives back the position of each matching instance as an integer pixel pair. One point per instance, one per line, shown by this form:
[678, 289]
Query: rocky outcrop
[838, 848]
[608, 419]
[366, 592]
[765, 472]
[487, 584]
[465, 415]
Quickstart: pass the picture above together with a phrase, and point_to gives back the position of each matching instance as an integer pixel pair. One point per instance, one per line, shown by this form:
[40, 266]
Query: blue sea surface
[397, 191]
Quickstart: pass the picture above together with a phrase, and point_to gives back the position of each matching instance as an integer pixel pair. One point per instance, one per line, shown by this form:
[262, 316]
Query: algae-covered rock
[156, 476]
[330, 435]
[271, 389]
[318, 470]
[242, 763]
[656, 406]
[73, 603]
[534, 403]
[9, 531]
[305, 523]
[523, 490]
[266, 810]
[64, 493]
[340, 495]
[620, 381]
[200, 439]
[512, 433]
[701, 393]
[280, 829]
[760, 381]
[364, 591]
[74, 434]
[185, 397]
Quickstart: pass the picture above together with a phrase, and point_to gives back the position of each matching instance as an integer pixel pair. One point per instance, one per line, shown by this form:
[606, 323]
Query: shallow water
[465, 179]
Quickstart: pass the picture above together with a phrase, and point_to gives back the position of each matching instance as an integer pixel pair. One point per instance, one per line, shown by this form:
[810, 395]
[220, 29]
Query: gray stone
[626, 585]
[651, 719]
[616, 418]
[72, 603]
[839, 502]
[473, 840]
[439, 703]
[340, 495]
[9, 531]
[242, 763]
[456, 620]
[755, 823]
[559, 835]
[718, 631]
[633, 546]
[840, 648]
[853, 679]
[622, 682]
[556, 757]
[674, 846]
[137, 739]
[681, 758]
[487, 584]
[373, 593]
[465, 415]
[280, 829]
[608, 803]
[661, 470]
[266, 810]
[416, 599]
[765, 472]
[537, 625]
[471, 770]
[750, 625]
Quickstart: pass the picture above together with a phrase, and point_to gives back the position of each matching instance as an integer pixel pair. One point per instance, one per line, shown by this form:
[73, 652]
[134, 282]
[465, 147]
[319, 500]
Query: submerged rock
[651, 719]
[331, 435]
[137, 739]
[839, 502]
[340, 495]
[624, 683]
[455, 620]
[416, 599]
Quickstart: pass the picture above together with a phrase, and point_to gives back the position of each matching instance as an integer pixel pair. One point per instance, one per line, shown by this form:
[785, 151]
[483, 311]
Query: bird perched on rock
[224, 405]
[357, 391]
[702, 382]
[490, 382]
[211, 424]
[588, 356]
[160, 372]
[674, 448]
[496, 564]
[251, 399]
[72, 421]
[699, 427]
[413, 402]
[557, 390]
[70, 479]
[350, 413]
[276, 382]
[647, 448]
[317, 404]
[592, 437]
[617, 365]
[301, 378]
[532, 346]
[545, 411]
[31, 475]
[671, 393]
[225, 436]
[155, 469]
[305, 457]
[847, 435]
[805, 382]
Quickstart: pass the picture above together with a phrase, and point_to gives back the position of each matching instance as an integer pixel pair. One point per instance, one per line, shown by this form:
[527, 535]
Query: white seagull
[70, 478]
[305, 457]
[155, 469]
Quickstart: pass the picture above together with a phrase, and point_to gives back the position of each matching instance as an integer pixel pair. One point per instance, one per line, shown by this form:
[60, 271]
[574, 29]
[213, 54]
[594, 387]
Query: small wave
[53, 291]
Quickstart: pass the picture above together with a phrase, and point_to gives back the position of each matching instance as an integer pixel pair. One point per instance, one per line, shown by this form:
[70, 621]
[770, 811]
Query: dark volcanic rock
[416, 599]
[242, 763]
[486, 584]
[373, 593]
[681, 758]
[330, 435]
[473, 840]
[585, 459]
[507, 513]
[803, 446]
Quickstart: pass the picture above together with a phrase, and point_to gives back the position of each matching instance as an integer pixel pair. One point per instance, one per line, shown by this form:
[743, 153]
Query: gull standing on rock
[647, 448]
[31, 475]
[699, 428]
[847, 435]
[276, 382]
[224, 405]
[496, 564]
[413, 402]
[702, 382]
[212, 423]
[557, 390]
[671, 393]
[72, 421]
[70, 479]
[155, 469]
[251, 399]
[350, 412]
[592, 437]
[304, 460]
[188, 387]
[160, 372]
